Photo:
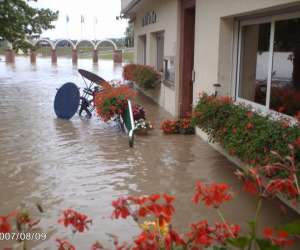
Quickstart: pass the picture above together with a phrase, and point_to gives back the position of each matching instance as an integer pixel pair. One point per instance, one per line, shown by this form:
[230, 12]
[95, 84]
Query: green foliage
[143, 75]
[266, 245]
[240, 242]
[292, 228]
[18, 20]
[243, 133]
[219, 248]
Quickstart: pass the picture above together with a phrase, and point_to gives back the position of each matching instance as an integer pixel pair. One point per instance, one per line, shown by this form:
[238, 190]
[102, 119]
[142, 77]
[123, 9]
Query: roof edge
[131, 5]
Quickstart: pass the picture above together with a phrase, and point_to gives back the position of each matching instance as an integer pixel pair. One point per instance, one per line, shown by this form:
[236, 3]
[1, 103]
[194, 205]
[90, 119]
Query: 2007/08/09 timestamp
[23, 236]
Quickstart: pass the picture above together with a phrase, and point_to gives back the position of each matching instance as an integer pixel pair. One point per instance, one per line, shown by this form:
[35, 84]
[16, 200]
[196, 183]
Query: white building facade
[251, 48]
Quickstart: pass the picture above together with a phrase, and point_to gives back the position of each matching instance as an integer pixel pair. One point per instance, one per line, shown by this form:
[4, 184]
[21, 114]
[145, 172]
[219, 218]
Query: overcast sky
[105, 11]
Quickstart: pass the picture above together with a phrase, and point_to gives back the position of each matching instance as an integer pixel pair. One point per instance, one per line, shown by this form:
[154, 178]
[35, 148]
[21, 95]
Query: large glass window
[160, 51]
[285, 84]
[270, 75]
[142, 49]
[254, 62]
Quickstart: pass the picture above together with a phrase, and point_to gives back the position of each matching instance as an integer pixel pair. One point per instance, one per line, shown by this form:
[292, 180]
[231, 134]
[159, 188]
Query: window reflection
[254, 62]
[285, 85]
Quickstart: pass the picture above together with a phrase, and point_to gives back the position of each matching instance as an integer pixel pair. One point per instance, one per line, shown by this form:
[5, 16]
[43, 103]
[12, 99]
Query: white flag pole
[95, 28]
[81, 25]
[67, 25]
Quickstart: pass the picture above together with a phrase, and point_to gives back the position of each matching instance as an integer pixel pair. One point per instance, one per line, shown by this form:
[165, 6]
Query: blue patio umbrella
[67, 101]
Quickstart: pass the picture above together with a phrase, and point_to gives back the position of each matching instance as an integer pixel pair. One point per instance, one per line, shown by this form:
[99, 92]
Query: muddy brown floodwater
[86, 164]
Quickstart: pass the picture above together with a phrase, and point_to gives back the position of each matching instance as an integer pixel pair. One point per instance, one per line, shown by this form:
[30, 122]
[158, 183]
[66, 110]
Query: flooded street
[86, 164]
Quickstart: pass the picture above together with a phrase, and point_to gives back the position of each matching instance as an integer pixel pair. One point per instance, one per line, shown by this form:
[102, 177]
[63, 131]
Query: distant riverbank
[84, 52]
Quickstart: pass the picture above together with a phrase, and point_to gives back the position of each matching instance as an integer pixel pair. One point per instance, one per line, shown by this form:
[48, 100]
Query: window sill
[264, 111]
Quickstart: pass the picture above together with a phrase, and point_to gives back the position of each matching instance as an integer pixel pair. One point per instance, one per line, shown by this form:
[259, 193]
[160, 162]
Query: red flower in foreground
[203, 235]
[120, 208]
[250, 187]
[212, 195]
[280, 238]
[154, 197]
[64, 245]
[5, 226]
[285, 186]
[77, 220]
[252, 181]
[224, 231]
[173, 238]
[146, 241]
[144, 206]
[270, 170]
[168, 198]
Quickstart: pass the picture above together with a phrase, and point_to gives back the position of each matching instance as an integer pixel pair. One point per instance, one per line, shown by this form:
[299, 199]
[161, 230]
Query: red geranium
[250, 187]
[200, 234]
[112, 101]
[173, 238]
[147, 240]
[77, 220]
[279, 238]
[5, 226]
[212, 195]
[145, 206]
[285, 186]
[120, 208]
[170, 127]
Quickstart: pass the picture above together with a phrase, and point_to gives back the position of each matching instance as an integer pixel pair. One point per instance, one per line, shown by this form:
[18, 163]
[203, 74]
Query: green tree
[129, 35]
[19, 21]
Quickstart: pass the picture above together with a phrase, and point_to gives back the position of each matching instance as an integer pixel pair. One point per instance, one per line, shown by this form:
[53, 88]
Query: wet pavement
[87, 164]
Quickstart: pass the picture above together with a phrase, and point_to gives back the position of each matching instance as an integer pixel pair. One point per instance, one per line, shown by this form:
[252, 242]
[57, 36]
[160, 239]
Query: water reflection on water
[87, 164]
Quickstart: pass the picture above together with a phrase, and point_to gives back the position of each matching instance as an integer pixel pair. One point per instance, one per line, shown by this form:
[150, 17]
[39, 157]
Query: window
[160, 51]
[169, 68]
[142, 50]
[255, 55]
[269, 63]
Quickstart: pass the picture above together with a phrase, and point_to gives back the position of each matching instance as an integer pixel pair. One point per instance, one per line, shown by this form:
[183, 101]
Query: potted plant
[142, 127]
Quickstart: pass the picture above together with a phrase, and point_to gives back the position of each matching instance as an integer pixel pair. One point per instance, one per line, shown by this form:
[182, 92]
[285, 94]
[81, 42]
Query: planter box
[240, 165]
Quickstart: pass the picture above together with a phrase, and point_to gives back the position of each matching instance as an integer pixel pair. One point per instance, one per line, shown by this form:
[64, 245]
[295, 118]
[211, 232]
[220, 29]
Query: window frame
[272, 19]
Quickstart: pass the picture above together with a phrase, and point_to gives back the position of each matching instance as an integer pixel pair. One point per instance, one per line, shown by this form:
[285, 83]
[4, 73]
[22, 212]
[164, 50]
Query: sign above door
[149, 18]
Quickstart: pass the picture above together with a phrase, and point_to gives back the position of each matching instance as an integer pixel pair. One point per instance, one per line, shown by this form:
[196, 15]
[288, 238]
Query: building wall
[215, 32]
[125, 3]
[167, 21]
[214, 39]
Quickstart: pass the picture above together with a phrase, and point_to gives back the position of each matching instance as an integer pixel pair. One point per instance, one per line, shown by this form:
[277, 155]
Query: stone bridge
[117, 53]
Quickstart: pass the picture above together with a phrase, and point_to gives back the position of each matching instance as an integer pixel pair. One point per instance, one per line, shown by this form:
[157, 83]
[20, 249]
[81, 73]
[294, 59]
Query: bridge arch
[64, 40]
[45, 40]
[110, 41]
[85, 40]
